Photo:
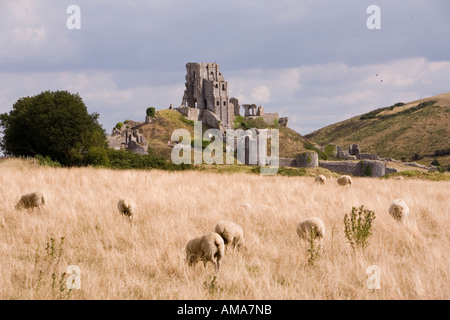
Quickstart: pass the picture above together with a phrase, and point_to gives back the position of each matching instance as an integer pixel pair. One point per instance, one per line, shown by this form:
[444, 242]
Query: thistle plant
[357, 226]
[314, 252]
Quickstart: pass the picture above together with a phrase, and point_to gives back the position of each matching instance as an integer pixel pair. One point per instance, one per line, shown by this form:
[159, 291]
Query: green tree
[435, 162]
[151, 112]
[53, 124]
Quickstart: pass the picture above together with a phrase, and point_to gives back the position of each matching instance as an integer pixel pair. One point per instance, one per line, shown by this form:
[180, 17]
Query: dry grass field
[146, 260]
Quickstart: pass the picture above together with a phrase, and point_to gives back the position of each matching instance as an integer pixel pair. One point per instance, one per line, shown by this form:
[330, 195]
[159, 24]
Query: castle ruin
[206, 98]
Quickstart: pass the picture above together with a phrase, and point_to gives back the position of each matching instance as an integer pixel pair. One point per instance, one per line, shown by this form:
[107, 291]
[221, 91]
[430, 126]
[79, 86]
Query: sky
[314, 61]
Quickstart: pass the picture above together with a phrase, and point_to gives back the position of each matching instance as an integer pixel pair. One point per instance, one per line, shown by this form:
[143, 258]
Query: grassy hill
[159, 132]
[410, 131]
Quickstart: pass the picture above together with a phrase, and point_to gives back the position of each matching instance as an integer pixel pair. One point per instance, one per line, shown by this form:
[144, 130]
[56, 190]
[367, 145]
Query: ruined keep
[206, 98]
[207, 91]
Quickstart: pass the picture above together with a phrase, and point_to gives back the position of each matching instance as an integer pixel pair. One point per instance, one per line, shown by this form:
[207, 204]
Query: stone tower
[206, 89]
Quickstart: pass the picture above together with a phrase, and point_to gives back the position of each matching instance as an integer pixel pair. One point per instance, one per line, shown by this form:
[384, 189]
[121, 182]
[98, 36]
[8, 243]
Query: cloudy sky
[313, 61]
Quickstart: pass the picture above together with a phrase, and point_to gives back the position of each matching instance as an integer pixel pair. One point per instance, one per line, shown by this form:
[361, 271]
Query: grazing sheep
[231, 233]
[320, 179]
[344, 180]
[399, 178]
[399, 210]
[206, 248]
[305, 225]
[31, 200]
[127, 208]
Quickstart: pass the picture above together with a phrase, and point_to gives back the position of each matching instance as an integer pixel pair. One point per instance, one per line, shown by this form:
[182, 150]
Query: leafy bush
[330, 150]
[435, 162]
[122, 159]
[257, 123]
[409, 110]
[46, 161]
[441, 152]
[374, 114]
[357, 227]
[416, 157]
[187, 121]
[98, 157]
[322, 155]
[151, 112]
[291, 172]
[367, 171]
[239, 121]
[119, 125]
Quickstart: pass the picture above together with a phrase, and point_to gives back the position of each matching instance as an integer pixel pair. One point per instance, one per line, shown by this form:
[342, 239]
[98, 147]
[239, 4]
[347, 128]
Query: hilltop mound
[159, 132]
[416, 130]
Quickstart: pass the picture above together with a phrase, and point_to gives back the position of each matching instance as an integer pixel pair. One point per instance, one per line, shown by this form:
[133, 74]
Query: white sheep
[209, 247]
[399, 210]
[304, 228]
[127, 208]
[320, 179]
[344, 180]
[31, 201]
[231, 232]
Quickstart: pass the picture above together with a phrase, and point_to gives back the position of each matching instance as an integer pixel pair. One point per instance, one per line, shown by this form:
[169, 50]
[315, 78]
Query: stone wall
[287, 162]
[307, 159]
[343, 167]
[190, 113]
[269, 118]
[211, 119]
[371, 168]
[390, 170]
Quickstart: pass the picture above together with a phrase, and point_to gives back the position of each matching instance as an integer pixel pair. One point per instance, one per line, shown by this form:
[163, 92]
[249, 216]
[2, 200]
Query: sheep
[206, 248]
[399, 210]
[305, 225]
[231, 233]
[31, 200]
[127, 208]
[320, 179]
[344, 180]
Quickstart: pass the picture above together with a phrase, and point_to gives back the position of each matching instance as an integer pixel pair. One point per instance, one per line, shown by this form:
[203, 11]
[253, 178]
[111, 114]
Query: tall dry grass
[146, 260]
